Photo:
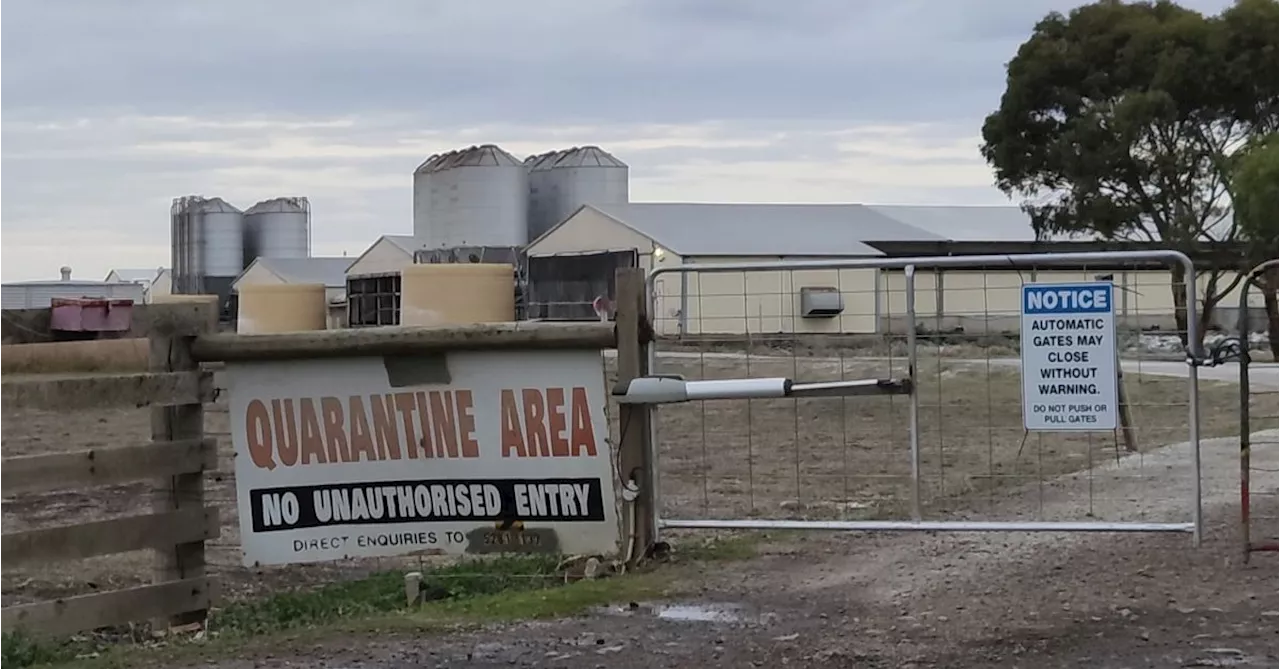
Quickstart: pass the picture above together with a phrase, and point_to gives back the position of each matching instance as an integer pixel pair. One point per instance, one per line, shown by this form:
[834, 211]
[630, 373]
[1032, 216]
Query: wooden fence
[176, 459]
[180, 453]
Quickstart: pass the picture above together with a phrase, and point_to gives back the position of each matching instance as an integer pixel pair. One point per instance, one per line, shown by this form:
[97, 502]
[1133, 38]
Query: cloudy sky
[113, 107]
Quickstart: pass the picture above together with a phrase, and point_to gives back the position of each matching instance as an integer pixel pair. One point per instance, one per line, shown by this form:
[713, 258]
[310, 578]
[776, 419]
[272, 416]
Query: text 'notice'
[1069, 357]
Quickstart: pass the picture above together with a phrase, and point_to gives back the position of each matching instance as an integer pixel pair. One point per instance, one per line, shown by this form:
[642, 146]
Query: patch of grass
[472, 591]
[725, 548]
[18, 649]
[544, 602]
[383, 593]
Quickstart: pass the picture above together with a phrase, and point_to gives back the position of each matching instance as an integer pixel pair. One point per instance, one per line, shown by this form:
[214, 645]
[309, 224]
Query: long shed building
[845, 301]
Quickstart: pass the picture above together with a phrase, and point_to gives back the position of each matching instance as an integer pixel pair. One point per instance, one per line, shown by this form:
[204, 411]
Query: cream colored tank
[457, 294]
[182, 299]
[282, 308]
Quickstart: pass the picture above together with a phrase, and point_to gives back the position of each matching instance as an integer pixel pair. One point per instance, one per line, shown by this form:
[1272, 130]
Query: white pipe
[927, 525]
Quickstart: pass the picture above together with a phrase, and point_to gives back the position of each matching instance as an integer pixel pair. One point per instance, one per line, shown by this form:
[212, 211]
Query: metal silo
[541, 201]
[207, 244]
[574, 177]
[277, 228]
[473, 197]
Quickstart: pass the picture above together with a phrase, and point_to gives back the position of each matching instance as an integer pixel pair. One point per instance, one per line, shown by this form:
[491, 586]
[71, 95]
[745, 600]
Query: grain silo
[541, 200]
[277, 228]
[207, 245]
[562, 181]
[473, 197]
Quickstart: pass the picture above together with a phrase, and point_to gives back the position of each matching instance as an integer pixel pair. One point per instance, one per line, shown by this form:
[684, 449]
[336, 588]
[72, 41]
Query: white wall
[764, 303]
[381, 258]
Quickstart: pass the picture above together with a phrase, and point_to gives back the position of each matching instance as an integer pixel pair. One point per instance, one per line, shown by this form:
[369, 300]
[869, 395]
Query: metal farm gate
[1259, 501]
[872, 411]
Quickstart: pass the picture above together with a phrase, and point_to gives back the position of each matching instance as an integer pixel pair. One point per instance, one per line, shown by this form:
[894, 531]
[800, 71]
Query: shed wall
[384, 256]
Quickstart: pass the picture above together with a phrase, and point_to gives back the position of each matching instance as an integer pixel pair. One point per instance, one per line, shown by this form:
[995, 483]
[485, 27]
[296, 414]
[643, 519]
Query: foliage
[1120, 121]
[1255, 201]
[1256, 194]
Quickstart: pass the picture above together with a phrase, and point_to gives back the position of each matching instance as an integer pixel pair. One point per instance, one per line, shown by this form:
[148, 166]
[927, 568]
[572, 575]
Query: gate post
[637, 469]
[170, 351]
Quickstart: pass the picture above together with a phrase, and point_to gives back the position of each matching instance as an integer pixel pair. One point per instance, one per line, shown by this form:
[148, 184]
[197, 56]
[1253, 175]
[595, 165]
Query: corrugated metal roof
[764, 229]
[332, 272]
[962, 223]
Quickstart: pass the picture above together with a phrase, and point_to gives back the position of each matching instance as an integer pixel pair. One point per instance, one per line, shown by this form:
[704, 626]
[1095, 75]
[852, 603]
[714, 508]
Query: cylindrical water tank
[457, 294]
[278, 228]
[183, 299]
[473, 197]
[295, 307]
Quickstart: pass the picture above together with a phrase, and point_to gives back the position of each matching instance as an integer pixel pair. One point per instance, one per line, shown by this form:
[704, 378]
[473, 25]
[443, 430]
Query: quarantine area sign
[466, 452]
[1069, 357]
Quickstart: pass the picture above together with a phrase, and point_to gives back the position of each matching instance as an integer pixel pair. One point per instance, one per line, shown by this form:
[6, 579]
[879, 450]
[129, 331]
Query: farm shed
[738, 302]
[155, 282]
[373, 280]
[40, 294]
[389, 254]
[982, 299]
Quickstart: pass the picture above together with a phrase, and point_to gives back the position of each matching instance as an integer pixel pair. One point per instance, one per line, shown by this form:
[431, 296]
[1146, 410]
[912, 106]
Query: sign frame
[1068, 349]
[510, 451]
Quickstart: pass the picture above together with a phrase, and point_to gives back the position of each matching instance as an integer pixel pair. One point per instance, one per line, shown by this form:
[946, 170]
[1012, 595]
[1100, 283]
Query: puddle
[710, 613]
[703, 613]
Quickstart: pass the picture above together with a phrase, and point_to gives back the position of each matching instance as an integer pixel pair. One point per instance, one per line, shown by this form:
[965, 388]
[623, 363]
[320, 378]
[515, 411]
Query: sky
[111, 108]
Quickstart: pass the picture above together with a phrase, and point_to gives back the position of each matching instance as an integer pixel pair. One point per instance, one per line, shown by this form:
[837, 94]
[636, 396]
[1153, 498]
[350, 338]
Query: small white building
[331, 272]
[155, 282]
[40, 294]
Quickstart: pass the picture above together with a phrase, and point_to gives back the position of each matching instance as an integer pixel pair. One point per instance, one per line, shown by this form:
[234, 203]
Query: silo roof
[215, 205]
[279, 205]
[485, 155]
[586, 156]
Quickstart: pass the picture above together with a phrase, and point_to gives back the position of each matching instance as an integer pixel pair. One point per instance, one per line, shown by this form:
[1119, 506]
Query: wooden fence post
[170, 340]
[633, 331]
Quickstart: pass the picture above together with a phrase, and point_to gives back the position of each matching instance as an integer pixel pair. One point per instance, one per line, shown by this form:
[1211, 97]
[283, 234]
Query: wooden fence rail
[177, 458]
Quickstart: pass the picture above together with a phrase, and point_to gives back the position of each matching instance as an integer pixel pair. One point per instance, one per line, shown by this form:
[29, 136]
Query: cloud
[112, 108]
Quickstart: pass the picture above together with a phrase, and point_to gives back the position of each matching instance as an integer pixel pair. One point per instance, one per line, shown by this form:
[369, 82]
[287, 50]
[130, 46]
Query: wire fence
[850, 458]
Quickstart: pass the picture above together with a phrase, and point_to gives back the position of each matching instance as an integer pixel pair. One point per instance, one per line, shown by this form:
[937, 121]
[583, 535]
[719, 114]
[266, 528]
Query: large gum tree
[1120, 121]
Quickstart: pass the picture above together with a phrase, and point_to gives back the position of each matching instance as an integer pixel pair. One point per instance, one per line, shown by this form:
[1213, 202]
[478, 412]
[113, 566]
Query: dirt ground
[920, 600]
[977, 600]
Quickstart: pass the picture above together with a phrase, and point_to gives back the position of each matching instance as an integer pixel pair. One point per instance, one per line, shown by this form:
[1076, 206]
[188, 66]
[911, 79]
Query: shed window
[373, 300]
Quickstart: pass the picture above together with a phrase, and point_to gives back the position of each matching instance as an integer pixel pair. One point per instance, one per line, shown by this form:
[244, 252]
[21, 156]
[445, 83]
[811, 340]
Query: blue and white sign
[1069, 357]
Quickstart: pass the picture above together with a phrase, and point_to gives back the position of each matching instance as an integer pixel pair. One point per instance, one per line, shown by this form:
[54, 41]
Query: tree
[1255, 195]
[1119, 121]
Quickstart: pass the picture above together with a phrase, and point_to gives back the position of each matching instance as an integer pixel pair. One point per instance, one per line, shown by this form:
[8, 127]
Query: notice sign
[468, 452]
[1068, 357]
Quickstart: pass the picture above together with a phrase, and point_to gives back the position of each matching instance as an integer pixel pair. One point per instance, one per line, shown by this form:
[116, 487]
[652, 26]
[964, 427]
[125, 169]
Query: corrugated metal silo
[541, 198]
[207, 245]
[477, 196]
[569, 179]
[277, 228]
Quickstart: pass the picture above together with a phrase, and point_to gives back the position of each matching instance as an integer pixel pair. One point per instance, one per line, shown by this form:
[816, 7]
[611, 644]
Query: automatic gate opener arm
[670, 389]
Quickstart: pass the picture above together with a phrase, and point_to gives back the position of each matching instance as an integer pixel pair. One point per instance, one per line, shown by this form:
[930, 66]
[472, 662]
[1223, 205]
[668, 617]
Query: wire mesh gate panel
[953, 455]
[1259, 501]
